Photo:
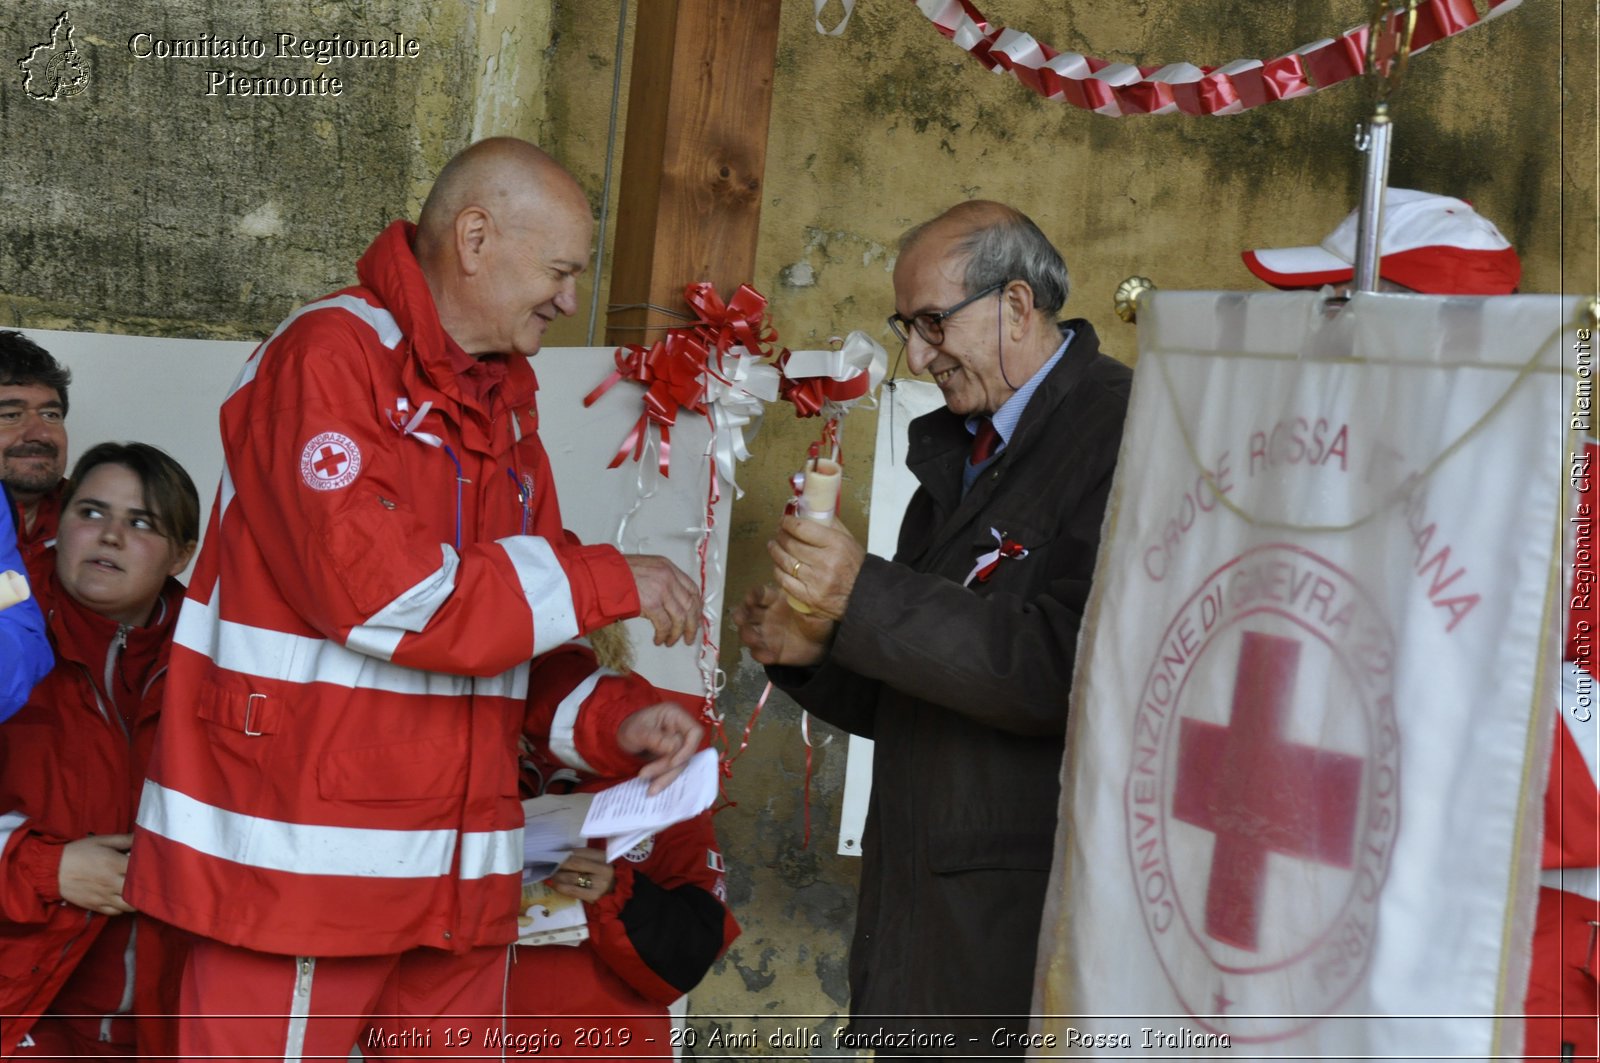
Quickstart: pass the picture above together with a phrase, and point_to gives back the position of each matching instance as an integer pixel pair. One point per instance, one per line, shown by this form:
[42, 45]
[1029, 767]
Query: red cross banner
[1317, 686]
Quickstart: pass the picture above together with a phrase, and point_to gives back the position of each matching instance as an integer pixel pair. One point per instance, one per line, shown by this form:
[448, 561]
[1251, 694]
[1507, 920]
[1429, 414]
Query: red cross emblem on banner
[1260, 793]
[330, 461]
[1262, 797]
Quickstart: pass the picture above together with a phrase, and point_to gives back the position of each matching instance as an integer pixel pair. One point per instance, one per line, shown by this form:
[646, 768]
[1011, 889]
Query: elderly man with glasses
[957, 656]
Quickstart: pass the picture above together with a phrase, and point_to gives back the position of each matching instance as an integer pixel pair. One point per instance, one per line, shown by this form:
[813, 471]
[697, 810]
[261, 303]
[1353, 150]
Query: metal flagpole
[1388, 47]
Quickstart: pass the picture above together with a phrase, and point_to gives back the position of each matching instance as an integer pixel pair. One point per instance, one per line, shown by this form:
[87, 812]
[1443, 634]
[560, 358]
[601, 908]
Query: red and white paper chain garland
[1121, 88]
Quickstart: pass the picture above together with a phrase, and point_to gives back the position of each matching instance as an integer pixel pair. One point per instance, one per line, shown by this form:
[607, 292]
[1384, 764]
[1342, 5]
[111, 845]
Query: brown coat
[965, 692]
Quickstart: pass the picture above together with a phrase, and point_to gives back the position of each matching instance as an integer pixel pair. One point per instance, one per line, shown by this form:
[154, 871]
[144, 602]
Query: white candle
[819, 496]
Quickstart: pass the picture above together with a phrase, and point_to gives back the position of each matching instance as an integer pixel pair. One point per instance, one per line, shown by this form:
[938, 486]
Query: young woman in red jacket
[76, 965]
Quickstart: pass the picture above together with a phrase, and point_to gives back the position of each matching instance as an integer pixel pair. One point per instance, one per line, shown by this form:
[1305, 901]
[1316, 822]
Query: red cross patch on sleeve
[330, 461]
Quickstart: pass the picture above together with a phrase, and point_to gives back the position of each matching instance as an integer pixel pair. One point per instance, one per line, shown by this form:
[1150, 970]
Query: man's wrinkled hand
[667, 735]
[92, 873]
[668, 598]
[816, 564]
[776, 634]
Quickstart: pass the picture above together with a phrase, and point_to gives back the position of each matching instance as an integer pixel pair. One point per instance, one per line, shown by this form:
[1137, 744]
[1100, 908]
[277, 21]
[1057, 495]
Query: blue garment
[24, 651]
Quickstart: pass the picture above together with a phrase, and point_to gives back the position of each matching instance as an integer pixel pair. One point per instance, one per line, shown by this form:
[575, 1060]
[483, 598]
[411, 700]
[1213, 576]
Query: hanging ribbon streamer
[711, 565]
[729, 754]
[816, 11]
[1117, 89]
[718, 367]
[721, 367]
[826, 384]
[805, 733]
[736, 402]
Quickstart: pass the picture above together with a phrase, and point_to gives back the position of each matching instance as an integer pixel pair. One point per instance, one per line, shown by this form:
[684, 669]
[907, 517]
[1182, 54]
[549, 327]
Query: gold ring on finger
[794, 569]
[585, 882]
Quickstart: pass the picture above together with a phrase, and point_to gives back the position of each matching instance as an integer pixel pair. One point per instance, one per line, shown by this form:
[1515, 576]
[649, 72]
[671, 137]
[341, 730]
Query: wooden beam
[693, 163]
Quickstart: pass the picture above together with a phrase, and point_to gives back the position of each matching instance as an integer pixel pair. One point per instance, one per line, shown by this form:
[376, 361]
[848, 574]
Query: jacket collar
[390, 270]
[82, 636]
[940, 441]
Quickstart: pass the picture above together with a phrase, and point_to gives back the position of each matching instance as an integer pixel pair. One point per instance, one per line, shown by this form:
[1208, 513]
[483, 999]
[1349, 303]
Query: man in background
[33, 443]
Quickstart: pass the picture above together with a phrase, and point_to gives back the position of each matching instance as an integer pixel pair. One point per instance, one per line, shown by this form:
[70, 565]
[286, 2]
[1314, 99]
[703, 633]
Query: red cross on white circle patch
[330, 461]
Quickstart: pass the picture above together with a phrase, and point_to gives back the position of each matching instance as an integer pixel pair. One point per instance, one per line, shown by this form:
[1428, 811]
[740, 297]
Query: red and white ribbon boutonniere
[990, 561]
[407, 423]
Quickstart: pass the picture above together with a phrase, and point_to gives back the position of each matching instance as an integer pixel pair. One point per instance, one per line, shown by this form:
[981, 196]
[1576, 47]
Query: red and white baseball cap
[1433, 244]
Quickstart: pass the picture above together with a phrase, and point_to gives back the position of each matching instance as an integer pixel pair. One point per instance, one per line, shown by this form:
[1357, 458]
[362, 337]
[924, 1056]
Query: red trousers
[566, 1002]
[54, 1038]
[421, 1004]
[87, 1016]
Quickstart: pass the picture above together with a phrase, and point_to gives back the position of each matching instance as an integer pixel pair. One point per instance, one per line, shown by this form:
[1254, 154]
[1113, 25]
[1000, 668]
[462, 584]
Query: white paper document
[552, 830]
[624, 815]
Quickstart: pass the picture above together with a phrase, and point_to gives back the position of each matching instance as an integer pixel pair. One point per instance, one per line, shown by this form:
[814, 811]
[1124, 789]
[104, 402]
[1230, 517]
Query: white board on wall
[892, 488]
[168, 392]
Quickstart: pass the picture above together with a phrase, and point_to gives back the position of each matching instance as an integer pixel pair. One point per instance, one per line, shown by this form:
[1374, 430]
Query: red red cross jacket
[1563, 992]
[71, 763]
[38, 543]
[336, 770]
[653, 937]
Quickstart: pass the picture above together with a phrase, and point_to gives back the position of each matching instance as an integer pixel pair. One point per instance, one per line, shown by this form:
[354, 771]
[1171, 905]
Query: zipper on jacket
[124, 1005]
[299, 1007]
[103, 692]
[118, 642]
[88, 919]
[524, 490]
[521, 482]
[151, 682]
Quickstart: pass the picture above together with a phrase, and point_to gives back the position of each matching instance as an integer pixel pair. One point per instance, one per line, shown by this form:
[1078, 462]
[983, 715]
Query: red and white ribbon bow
[829, 383]
[987, 563]
[714, 368]
[408, 425]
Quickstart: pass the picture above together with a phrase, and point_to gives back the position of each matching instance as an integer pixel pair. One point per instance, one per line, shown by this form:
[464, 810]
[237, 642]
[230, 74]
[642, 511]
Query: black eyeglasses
[930, 323]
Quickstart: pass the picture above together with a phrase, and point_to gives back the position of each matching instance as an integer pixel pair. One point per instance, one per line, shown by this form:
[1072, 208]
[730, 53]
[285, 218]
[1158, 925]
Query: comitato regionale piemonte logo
[55, 69]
